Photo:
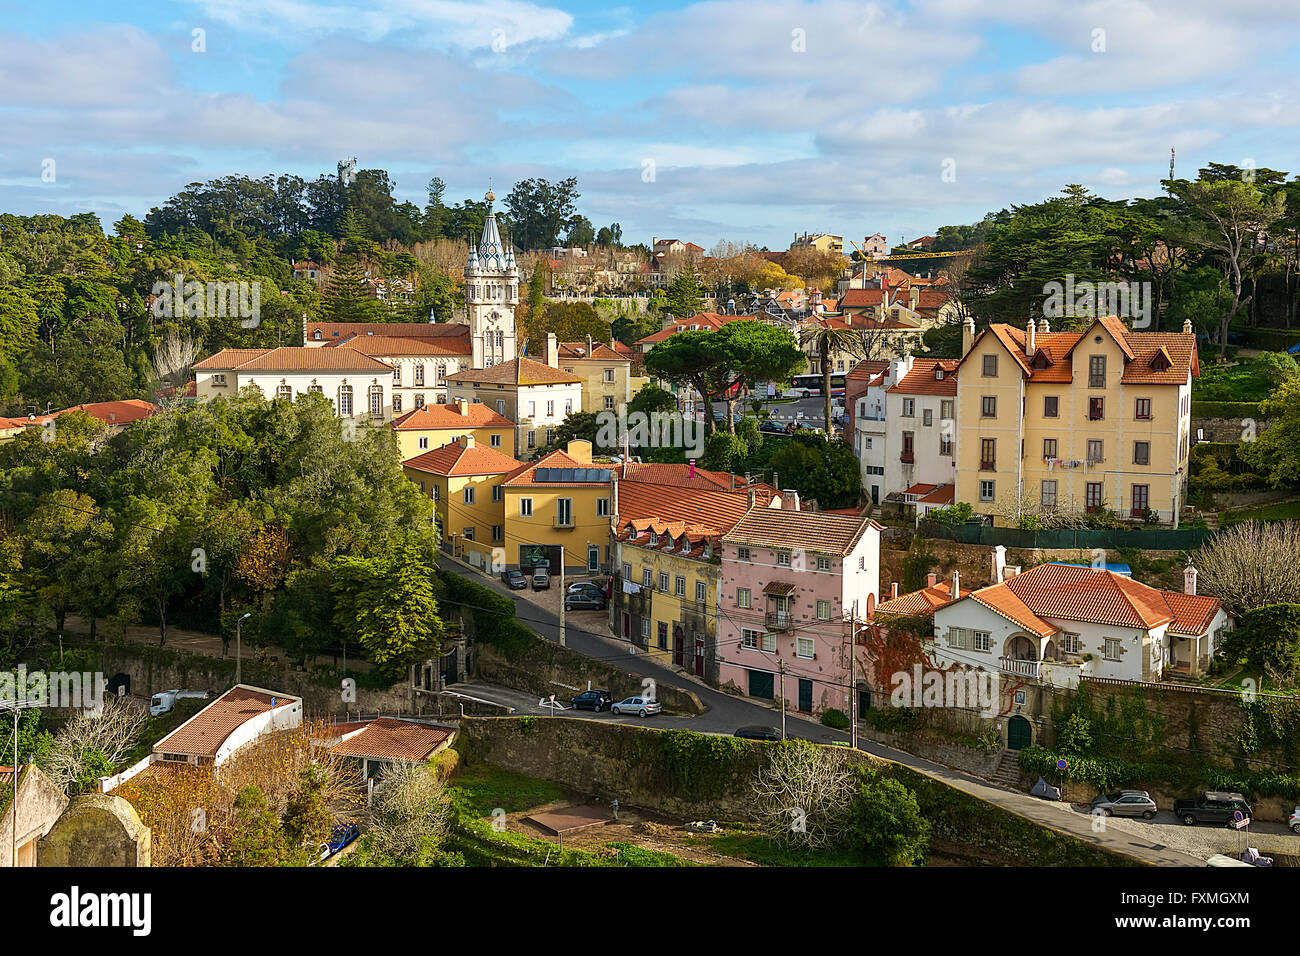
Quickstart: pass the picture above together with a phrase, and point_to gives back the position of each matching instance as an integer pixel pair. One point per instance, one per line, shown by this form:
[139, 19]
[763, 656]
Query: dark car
[596, 700]
[773, 428]
[1212, 807]
[759, 733]
[514, 580]
[588, 599]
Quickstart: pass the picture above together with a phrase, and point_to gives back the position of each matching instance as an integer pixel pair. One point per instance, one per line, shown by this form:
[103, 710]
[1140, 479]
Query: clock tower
[491, 295]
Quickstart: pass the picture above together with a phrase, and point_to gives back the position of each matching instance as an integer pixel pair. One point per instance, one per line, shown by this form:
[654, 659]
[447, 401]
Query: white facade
[357, 395]
[491, 295]
[869, 440]
[921, 435]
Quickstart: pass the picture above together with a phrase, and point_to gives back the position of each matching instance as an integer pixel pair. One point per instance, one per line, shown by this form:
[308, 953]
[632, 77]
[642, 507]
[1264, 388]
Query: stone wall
[1224, 429]
[98, 829]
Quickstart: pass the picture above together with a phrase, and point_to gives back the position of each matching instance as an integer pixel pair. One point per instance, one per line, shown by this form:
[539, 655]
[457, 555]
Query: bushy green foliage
[833, 717]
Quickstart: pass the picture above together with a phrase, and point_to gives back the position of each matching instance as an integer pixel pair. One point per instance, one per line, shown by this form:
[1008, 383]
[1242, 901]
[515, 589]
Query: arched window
[316, 335]
[345, 400]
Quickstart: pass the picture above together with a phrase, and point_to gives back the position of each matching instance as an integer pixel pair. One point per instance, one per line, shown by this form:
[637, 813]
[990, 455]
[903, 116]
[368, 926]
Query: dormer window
[938, 373]
[1041, 360]
[1161, 360]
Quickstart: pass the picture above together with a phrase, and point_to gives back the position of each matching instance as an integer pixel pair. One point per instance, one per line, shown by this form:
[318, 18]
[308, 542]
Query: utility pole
[853, 678]
[239, 648]
[781, 667]
[562, 644]
[17, 705]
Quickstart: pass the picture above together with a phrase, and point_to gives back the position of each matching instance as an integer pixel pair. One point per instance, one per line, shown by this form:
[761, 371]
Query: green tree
[256, 837]
[887, 828]
[307, 821]
[826, 471]
[684, 295]
[390, 605]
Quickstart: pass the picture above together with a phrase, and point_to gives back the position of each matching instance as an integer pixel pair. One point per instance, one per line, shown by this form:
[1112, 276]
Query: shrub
[835, 718]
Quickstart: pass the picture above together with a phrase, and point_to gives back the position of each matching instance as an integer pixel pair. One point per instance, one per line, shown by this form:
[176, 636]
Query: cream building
[606, 375]
[358, 385]
[432, 426]
[1074, 420]
[534, 396]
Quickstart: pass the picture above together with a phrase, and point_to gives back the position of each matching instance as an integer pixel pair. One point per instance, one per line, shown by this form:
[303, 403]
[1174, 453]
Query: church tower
[491, 295]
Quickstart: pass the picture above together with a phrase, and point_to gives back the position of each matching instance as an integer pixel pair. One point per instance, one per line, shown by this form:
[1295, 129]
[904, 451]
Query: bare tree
[91, 742]
[409, 812]
[1252, 564]
[174, 357]
[803, 795]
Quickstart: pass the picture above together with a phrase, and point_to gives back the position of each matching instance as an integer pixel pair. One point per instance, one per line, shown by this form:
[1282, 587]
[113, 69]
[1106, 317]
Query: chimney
[552, 350]
[614, 496]
[967, 335]
[893, 590]
[913, 297]
[1043, 327]
[462, 407]
[1029, 338]
[956, 584]
[751, 497]
[999, 562]
[589, 346]
[467, 441]
[931, 579]
[1189, 580]
[1187, 326]
[692, 469]
[789, 500]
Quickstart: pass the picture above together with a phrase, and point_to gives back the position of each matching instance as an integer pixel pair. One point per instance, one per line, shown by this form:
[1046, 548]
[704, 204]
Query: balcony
[907, 457]
[779, 620]
[988, 466]
[1019, 668]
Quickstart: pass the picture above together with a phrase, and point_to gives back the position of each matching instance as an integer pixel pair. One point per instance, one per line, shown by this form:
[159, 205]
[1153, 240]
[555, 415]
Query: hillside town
[344, 525]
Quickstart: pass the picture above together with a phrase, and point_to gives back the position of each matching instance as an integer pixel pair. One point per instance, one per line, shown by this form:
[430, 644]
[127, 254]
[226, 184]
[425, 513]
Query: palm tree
[825, 342]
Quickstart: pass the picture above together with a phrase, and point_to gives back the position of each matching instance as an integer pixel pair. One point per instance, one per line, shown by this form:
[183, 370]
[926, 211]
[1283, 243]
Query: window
[627, 572]
[986, 491]
[422, 443]
[1047, 495]
[1096, 449]
[742, 554]
[743, 597]
[1071, 644]
[957, 637]
[701, 591]
[1142, 409]
[469, 533]
[495, 441]
[345, 400]
[218, 379]
[419, 373]
[397, 404]
[945, 445]
[498, 493]
[645, 627]
[532, 409]
[525, 507]
[568, 406]
[927, 416]
[783, 559]
[501, 406]
[749, 638]
[376, 400]
[680, 586]
[1096, 371]
[1096, 409]
[823, 610]
[284, 391]
[647, 578]
[1051, 406]
[823, 564]
[1049, 447]
[469, 496]
[397, 374]
[988, 454]
[661, 638]
[419, 401]
[909, 407]
[532, 439]
[593, 558]
[981, 641]
[1141, 500]
[989, 406]
[498, 532]
[1092, 495]
[1141, 453]
[602, 507]
[609, 376]
[990, 369]
[663, 581]
[550, 409]
[804, 648]
[563, 511]
[437, 493]
[609, 402]
[442, 374]
[908, 447]
[768, 643]
[945, 408]
[1112, 648]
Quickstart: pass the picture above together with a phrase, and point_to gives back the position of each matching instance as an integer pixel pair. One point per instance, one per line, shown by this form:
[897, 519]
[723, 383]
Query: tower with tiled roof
[491, 295]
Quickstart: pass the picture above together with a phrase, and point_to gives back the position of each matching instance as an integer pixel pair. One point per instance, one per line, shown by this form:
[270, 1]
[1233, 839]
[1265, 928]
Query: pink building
[790, 581]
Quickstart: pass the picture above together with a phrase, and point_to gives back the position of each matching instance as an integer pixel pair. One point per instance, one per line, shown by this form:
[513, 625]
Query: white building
[920, 425]
[491, 295]
[358, 385]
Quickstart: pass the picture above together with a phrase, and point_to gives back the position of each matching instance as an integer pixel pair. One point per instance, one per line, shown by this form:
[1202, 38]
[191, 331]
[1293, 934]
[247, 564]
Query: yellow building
[535, 396]
[605, 374]
[432, 426]
[464, 479]
[1090, 420]
[822, 242]
[560, 503]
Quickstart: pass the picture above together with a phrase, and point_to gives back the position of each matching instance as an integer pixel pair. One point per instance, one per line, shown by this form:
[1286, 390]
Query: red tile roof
[382, 345]
[293, 359]
[456, 459]
[477, 415]
[115, 413]
[1140, 349]
[336, 331]
[390, 739]
[924, 601]
[205, 732]
[923, 378]
[810, 530]
[520, 371]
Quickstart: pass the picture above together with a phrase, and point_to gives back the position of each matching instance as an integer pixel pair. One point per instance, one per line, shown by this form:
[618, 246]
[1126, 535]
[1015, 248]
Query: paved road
[725, 713]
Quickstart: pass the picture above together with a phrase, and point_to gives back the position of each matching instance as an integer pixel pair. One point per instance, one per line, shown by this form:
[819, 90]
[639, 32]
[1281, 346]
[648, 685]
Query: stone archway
[1022, 648]
[97, 829]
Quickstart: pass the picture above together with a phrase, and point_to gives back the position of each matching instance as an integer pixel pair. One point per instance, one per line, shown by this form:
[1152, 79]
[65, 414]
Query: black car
[1212, 807]
[773, 428]
[596, 700]
[759, 733]
[587, 599]
[514, 580]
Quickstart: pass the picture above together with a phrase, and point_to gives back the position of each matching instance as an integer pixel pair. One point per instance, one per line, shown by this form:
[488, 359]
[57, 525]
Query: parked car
[641, 706]
[541, 579]
[596, 700]
[1294, 821]
[514, 580]
[597, 586]
[340, 836]
[773, 428]
[1211, 807]
[588, 599]
[1125, 803]
[758, 733]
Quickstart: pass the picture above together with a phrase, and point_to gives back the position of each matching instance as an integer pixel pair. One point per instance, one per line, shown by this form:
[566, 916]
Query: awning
[778, 588]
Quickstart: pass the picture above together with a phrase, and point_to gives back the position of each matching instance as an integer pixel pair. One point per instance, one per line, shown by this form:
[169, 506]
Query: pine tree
[347, 297]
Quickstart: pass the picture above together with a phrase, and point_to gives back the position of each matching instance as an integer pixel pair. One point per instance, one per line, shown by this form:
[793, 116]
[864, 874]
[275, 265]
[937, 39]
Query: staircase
[1007, 772]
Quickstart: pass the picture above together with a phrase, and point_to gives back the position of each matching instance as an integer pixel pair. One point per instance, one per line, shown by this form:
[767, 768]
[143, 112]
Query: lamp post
[239, 652]
[17, 705]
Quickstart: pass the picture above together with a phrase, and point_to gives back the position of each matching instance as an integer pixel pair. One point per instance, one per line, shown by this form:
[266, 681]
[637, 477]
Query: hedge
[1109, 773]
[1204, 409]
[494, 615]
[1272, 340]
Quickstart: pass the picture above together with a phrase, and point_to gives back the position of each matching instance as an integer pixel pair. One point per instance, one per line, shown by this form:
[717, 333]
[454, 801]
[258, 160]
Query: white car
[1294, 821]
[641, 706]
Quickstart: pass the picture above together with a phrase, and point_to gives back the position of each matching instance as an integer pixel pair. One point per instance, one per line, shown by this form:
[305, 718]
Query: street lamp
[17, 705]
[239, 655]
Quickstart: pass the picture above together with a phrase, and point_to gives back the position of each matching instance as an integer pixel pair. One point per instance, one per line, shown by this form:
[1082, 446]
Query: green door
[1019, 734]
[805, 695]
[760, 684]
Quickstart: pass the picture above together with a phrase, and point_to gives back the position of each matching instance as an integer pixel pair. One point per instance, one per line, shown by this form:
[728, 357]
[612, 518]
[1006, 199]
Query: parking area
[1200, 840]
[597, 622]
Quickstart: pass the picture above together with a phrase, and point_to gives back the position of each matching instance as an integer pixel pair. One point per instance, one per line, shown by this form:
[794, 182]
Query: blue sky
[759, 118]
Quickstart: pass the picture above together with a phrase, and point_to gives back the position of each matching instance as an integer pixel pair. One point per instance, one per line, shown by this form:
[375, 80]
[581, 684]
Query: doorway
[1020, 733]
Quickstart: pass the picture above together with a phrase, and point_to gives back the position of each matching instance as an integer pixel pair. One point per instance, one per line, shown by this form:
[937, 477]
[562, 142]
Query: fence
[1081, 539]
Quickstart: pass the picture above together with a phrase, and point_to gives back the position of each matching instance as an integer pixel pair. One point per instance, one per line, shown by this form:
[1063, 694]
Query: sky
[746, 120]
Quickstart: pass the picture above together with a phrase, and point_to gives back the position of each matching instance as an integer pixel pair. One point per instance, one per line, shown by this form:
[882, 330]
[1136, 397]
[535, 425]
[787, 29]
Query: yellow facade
[605, 384]
[470, 530]
[1135, 453]
[678, 610]
[572, 516]
[416, 441]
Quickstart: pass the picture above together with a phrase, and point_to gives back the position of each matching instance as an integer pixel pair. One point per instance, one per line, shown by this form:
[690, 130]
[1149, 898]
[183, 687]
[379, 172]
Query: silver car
[1125, 803]
[641, 706]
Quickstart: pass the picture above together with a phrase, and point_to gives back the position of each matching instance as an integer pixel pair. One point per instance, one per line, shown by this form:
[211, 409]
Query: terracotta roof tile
[382, 345]
[205, 732]
[810, 530]
[335, 331]
[455, 459]
[924, 601]
[923, 378]
[520, 371]
[294, 359]
[477, 415]
[391, 739]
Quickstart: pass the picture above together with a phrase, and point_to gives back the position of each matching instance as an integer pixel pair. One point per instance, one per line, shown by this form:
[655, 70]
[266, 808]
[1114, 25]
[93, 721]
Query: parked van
[164, 702]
